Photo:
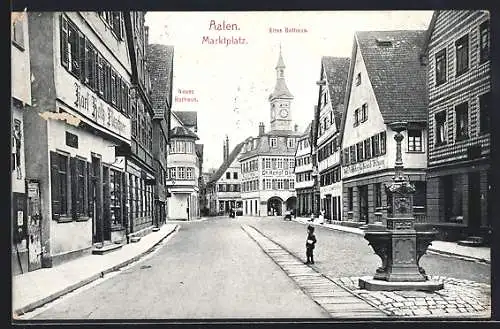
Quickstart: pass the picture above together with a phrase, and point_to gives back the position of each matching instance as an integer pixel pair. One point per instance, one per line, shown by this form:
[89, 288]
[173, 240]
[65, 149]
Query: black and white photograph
[246, 165]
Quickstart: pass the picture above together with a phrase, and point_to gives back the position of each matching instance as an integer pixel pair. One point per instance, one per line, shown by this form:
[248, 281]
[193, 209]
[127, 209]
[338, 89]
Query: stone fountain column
[399, 245]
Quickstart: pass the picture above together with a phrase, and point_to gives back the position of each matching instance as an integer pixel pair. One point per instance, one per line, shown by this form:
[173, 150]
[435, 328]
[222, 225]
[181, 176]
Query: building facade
[386, 84]
[459, 176]
[81, 78]
[25, 253]
[224, 186]
[304, 182]
[267, 161]
[183, 171]
[333, 77]
[160, 60]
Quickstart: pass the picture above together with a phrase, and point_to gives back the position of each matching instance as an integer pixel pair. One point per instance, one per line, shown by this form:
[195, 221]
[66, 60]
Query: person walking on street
[310, 242]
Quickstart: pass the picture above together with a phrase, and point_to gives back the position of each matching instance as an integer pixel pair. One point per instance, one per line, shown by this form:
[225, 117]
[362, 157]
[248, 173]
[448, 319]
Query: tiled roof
[398, 78]
[182, 132]
[280, 89]
[160, 67]
[188, 118]
[336, 70]
[222, 169]
[263, 147]
[307, 131]
[282, 133]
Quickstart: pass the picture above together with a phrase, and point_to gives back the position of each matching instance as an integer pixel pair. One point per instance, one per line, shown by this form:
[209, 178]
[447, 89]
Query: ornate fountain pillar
[399, 245]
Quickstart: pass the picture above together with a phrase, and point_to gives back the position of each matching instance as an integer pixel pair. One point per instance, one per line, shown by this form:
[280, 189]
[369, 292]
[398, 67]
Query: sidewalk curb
[429, 250]
[30, 307]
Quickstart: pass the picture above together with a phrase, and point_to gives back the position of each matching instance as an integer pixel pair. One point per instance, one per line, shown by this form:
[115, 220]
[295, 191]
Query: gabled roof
[398, 78]
[428, 33]
[183, 132]
[307, 131]
[160, 67]
[222, 169]
[188, 118]
[336, 70]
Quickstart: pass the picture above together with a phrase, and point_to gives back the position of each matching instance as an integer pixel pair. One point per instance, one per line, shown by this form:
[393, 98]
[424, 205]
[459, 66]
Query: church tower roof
[280, 89]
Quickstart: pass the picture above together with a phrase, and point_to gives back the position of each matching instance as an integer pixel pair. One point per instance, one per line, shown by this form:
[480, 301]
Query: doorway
[474, 213]
[363, 203]
[328, 207]
[95, 200]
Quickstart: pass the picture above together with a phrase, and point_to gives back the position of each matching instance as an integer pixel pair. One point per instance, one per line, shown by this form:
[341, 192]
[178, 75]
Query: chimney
[296, 127]
[224, 151]
[261, 128]
[226, 155]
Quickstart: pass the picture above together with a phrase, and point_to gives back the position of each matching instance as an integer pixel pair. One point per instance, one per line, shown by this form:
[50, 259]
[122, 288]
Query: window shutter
[382, 143]
[100, 66]
[81, 55]
[73, 172]
[122, 27]
[119, 94]
[64, 41]
[90, 208]
[55, 186]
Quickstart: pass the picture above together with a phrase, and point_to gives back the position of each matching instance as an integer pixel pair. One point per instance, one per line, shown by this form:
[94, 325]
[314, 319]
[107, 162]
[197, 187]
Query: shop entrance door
[34, 226]
[363, 204]
[328, 208]
[94, 197]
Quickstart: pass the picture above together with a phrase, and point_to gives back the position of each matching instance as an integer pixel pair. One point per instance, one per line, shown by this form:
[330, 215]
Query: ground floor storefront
[365, 199]
[268, 203]
[331, 201]
[183, 203]
[459, 200]
[225, 205]
[305, 199]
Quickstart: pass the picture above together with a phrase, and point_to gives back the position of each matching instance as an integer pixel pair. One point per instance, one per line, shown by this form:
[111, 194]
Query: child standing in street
[311, 241]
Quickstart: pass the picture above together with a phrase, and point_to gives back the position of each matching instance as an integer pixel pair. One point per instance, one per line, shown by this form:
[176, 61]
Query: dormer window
[273, 142]
[384, 42]
[291, 142]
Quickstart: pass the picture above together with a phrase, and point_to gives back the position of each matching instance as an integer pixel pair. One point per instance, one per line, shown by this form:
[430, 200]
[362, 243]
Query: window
[359, 151]
[235, 175]
[440, 119]
[364, 112]
[441, 67]
[292, 184]
[352, 154]
[368, 148]
[189, 173]
[346, 157]
[115, 197]
[462, 54]
[484, 41]
[484, 112]
[172, 173]
[414, 140]
[272, 142]
[358, 79]
[349, 199]
[17, 33]
[268, 163]
[462, 131]
[280, 163]
[59, 184]
[356, 117]
[73, 51]
[273, 163]
[291, 142]
[228, 175]
[375, 146]
[382, 143]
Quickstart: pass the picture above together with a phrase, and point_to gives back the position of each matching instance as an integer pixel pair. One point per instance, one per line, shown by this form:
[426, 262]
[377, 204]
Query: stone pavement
[34, 289]
[481, 254]
[334, 299]
[458, 299]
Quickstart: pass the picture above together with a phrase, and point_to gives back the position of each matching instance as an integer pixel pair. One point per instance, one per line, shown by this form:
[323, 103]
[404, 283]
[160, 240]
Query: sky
[228, 85]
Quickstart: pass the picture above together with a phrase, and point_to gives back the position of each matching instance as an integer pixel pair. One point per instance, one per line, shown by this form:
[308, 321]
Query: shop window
[414, 140]
[59, 184]
[462, 124]
[350, 199]
[484, 41]
[484, 112]
[378, 195]
[441, 67]
[462, 54]
[453, 200]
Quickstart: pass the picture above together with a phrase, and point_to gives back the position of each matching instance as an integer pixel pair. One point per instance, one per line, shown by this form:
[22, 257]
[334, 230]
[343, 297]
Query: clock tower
[281, 99]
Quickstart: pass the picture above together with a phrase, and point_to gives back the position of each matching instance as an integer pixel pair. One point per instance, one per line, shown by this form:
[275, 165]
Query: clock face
[284, 113]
